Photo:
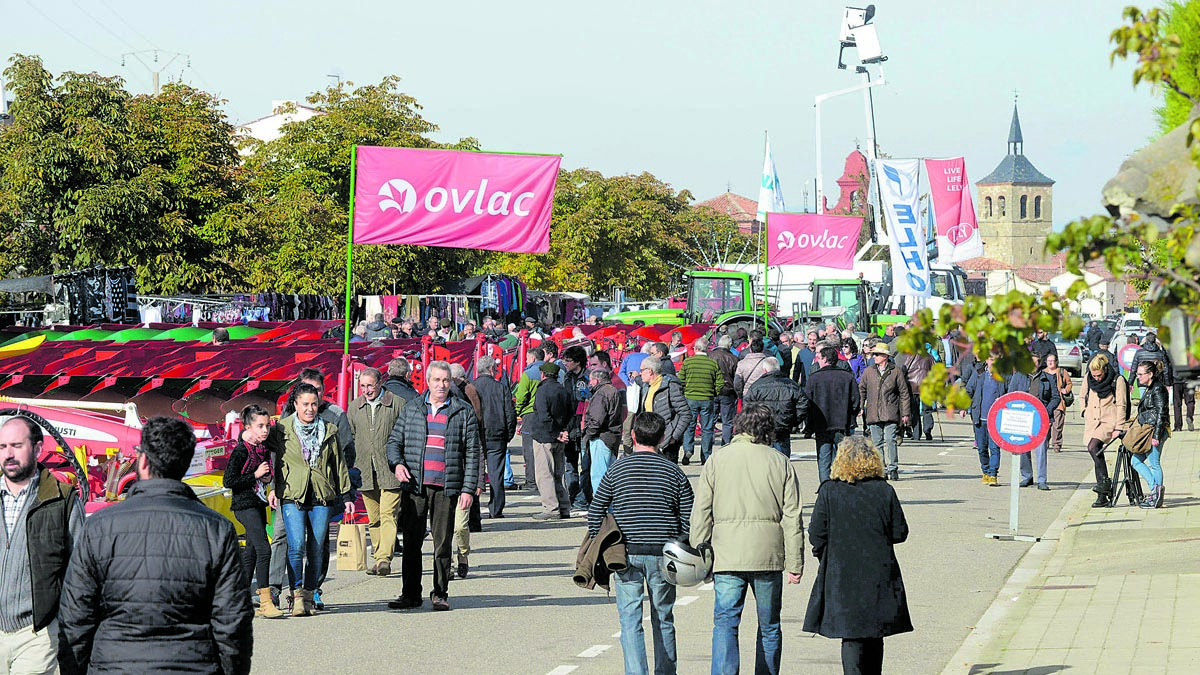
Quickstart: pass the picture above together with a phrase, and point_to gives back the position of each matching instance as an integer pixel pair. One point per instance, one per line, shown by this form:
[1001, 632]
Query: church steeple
[1016, 145]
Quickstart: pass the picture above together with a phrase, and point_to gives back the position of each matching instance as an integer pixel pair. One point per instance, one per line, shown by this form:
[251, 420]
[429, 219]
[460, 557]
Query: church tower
[1015, 206]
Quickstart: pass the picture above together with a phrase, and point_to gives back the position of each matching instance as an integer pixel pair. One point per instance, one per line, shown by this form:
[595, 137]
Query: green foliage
[91, 175]
[1183, 21]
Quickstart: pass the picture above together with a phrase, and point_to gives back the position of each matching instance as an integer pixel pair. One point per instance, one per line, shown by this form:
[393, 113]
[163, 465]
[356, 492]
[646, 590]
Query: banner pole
[350, 253]
[766, 273]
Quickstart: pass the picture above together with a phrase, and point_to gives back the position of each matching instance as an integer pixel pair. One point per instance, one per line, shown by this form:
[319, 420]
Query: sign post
[1018, 423]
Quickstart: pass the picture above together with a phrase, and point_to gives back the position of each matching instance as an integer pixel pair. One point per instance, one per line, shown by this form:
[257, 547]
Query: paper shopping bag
[352, 548]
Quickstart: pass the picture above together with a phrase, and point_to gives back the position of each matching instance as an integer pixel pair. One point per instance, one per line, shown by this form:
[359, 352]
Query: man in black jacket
[784, 397]
[398, 382]
[727, 399]
[1042, 346]
[499, 425]
[834, 404]
[156, 583]
[434, 451]
[553, 411]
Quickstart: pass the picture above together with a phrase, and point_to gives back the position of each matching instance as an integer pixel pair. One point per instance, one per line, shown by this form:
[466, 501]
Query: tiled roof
[741, 209]
[1039, 274]
[983, 265]
[1015, 169]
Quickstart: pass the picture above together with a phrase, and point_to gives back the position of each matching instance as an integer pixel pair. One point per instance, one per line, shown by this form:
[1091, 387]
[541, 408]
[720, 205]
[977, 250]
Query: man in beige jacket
[371, 417]
[748, 507]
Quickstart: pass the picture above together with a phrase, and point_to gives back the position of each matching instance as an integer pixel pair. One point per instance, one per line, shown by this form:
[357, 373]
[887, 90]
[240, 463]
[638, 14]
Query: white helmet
[683, 565]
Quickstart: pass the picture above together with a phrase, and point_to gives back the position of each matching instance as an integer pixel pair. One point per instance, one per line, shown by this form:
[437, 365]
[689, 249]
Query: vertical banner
[812, 239]
[957, 230]
[906, 238]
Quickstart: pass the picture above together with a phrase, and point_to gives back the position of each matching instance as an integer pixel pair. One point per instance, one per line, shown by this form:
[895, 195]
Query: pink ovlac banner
[454, 199]
[957, 230]
[812, 239]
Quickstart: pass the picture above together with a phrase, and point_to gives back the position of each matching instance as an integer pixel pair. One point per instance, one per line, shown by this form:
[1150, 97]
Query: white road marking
[530, 498]
[685, 600]
[617, 634]
[706, 587]
[943, 454]
[594, 651]
[563, 670]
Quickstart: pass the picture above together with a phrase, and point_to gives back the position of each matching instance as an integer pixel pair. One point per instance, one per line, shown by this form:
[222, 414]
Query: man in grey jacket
[602, 422]
[663, 394]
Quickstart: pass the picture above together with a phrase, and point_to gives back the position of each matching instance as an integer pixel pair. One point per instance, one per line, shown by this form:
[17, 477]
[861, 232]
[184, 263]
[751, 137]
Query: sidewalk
[1112, 590]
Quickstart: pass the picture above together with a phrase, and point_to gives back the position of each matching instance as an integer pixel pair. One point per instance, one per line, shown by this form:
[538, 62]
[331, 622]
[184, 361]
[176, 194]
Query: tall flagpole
[763, 244]
[350, 253]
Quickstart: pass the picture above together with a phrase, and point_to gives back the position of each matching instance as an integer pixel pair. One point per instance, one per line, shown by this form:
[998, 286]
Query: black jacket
[1042, 347]
[1150, 352]
[239, 479]
[406, 445]
[834, 402]
[156, 585]
[553, 411]
[499, 414]
[784, 396]
[859, 592]
[401, 387]
[1153, 410]
[728, 364]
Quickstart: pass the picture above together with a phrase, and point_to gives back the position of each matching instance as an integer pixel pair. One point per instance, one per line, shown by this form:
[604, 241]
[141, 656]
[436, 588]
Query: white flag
[770, 195]
[906, 236]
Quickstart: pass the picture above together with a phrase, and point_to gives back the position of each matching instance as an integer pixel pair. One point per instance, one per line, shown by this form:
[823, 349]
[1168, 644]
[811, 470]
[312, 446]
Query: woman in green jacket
[311, 478]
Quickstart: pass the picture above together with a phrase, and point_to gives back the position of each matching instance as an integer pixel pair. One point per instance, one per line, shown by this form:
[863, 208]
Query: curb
[1028, 568]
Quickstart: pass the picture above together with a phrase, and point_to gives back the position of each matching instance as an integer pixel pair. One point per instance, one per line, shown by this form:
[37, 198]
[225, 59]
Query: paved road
[518, 611]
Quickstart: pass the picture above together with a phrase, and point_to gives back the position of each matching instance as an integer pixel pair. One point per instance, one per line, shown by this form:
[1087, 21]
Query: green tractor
[713, 297]
[850, 301]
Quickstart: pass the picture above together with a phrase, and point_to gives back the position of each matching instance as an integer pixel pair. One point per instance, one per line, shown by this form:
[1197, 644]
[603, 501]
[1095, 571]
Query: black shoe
[1043, 487]
[439, 604]
[463, 568]
[894, 474]
[403, 602]
[929, 435]
[688, 460]
[1026, 482]
[1191, 427]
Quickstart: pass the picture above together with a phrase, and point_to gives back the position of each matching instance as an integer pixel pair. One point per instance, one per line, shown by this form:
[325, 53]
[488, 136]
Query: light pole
[857, 31]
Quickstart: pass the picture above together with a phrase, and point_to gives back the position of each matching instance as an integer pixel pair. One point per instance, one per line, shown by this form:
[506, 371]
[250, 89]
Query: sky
[682, 89]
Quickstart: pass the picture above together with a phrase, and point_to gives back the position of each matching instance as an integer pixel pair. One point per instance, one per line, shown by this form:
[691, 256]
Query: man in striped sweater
[651, 501]
[702, 379]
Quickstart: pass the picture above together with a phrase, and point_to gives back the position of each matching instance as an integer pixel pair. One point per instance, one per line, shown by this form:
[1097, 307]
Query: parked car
[1070, 354]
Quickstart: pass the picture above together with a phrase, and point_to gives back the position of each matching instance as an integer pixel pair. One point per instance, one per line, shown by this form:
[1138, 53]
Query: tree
[300, 189]
[90, 175]
[1182, 21]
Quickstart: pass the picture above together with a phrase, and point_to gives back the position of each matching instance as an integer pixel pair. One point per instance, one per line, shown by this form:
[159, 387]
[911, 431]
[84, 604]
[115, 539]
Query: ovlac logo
[400, 195]
[787, 240]
[398, 188]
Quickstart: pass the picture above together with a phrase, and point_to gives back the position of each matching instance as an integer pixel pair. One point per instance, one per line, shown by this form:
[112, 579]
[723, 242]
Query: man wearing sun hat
[886, 402]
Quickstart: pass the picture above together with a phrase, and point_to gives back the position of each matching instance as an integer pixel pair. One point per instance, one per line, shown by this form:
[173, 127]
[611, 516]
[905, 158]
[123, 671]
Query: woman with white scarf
[311, 479]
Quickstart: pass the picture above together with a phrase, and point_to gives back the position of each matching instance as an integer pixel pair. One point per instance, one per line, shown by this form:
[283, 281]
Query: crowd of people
[598, 439]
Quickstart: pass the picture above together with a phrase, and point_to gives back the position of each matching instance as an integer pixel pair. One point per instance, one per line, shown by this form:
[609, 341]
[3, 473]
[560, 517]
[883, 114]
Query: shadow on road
[465, 602]
[986, 669]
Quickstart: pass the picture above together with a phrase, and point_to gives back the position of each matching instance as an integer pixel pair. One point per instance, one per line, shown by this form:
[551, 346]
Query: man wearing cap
[447, 331]
[531, 326]
[886, 402]
[553, 410]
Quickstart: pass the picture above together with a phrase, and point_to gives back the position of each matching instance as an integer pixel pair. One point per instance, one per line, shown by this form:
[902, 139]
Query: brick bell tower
[1015, 206]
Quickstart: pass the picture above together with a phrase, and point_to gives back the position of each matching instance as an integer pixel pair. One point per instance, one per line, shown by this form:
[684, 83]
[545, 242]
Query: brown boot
[310, 607]
[301, 601]
[266, 606]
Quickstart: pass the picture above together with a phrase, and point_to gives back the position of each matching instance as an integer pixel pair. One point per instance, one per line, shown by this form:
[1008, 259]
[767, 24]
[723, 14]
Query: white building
[269, 128]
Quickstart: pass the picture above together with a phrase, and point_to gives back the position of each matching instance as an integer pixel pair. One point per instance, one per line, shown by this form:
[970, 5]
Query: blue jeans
[1039, 454]
[644, 572]
[707, 426]
[308, 530]
[827, 442]
[730, 589]
[602, 458]
[726, 408]
[989, 452]
[1148, 466]
[783, 442]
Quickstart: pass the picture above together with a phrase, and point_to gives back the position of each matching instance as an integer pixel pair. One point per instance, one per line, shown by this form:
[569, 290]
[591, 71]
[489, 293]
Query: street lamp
[858, 32]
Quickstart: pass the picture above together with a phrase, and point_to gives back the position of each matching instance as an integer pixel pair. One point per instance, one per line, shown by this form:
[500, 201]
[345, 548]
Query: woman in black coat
[859, 594]
[248, 476]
